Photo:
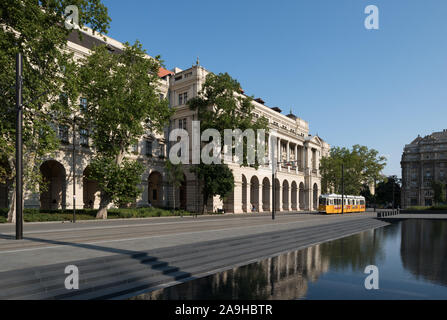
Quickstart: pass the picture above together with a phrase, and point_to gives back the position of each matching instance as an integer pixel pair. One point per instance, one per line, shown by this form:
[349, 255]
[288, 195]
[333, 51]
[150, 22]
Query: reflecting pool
[411, 257]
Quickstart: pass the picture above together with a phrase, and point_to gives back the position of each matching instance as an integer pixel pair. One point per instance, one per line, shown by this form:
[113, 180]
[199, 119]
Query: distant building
[423, 161]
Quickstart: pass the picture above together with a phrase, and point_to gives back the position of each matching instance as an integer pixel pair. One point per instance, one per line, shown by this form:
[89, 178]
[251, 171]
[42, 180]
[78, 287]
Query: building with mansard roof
[424, 160]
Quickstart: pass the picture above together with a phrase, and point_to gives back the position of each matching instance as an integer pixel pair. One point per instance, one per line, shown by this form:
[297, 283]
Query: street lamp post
[19, 148]
[74, 169]
[393, 191]
[342, 188]
[273, 161]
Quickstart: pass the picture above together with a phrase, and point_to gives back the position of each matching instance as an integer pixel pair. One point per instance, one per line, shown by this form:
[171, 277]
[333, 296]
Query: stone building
[424, 160]
[298, 180]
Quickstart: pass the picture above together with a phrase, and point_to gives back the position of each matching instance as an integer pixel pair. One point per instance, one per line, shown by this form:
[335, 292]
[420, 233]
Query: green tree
[118, 182]
[175, 176]
[439, 192]
[217, 180]
[36, 29]
[385, 190]
[220, 107]
[122, 103]
[362, 166]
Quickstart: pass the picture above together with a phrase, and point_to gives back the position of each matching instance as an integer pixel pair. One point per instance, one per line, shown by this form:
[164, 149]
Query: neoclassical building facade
[424, 160]
[297, 182]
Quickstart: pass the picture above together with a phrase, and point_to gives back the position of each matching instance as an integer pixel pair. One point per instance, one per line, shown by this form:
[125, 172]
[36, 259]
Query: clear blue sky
[379, 88]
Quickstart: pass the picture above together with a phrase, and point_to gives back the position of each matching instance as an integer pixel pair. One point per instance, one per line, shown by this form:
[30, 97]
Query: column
[296, 154]
[248, 204]
[279, 154]
[303, 157]
[237, 199]
[269, 151]
[279, 191]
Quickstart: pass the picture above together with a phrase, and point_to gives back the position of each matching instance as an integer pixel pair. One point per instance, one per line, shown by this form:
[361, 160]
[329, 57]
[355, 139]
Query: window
[63, 133]
[178, 78]
[83, 137]
[413, 202]
[182, 98]
[182, 123]
[187, 75]
[83, 104]
[149, 148]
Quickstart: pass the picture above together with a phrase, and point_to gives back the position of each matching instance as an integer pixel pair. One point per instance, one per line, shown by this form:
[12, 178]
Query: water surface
[411, 257]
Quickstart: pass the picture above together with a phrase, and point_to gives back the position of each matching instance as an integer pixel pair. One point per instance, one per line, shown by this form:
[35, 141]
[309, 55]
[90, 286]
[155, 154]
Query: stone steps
[121, 275]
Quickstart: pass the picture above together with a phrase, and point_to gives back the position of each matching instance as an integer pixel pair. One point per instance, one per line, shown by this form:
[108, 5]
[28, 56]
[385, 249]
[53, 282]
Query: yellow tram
[331, 203]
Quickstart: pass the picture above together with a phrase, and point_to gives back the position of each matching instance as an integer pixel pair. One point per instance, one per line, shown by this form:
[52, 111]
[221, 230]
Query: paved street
[228, 240]
[47, 243]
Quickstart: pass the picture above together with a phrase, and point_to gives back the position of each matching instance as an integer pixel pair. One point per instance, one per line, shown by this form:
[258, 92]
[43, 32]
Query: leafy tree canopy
[385, 190]
[122, 104]
[362, 165]
[122, 97]
[36, 29]
[220, 107]
[439, 192]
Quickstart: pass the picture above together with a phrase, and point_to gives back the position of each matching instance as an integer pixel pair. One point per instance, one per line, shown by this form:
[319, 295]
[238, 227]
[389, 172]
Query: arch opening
[285, 195]
[266, 194]
[155, 181]
[294, 196]
[90, 190]
[254, 194]
[53, 188]
[302, 204]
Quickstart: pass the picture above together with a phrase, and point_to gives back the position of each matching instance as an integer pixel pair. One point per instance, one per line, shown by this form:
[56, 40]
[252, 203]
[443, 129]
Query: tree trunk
[105, 199]
[103, 204]
[173, 195]
[12, 208]
[205, 202]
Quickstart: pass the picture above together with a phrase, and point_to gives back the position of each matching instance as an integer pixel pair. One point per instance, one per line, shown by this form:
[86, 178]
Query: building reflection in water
[282, 277]
[424, 249]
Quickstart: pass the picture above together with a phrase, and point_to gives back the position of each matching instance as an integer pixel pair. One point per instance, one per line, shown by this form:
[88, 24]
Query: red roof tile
[163, 72]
